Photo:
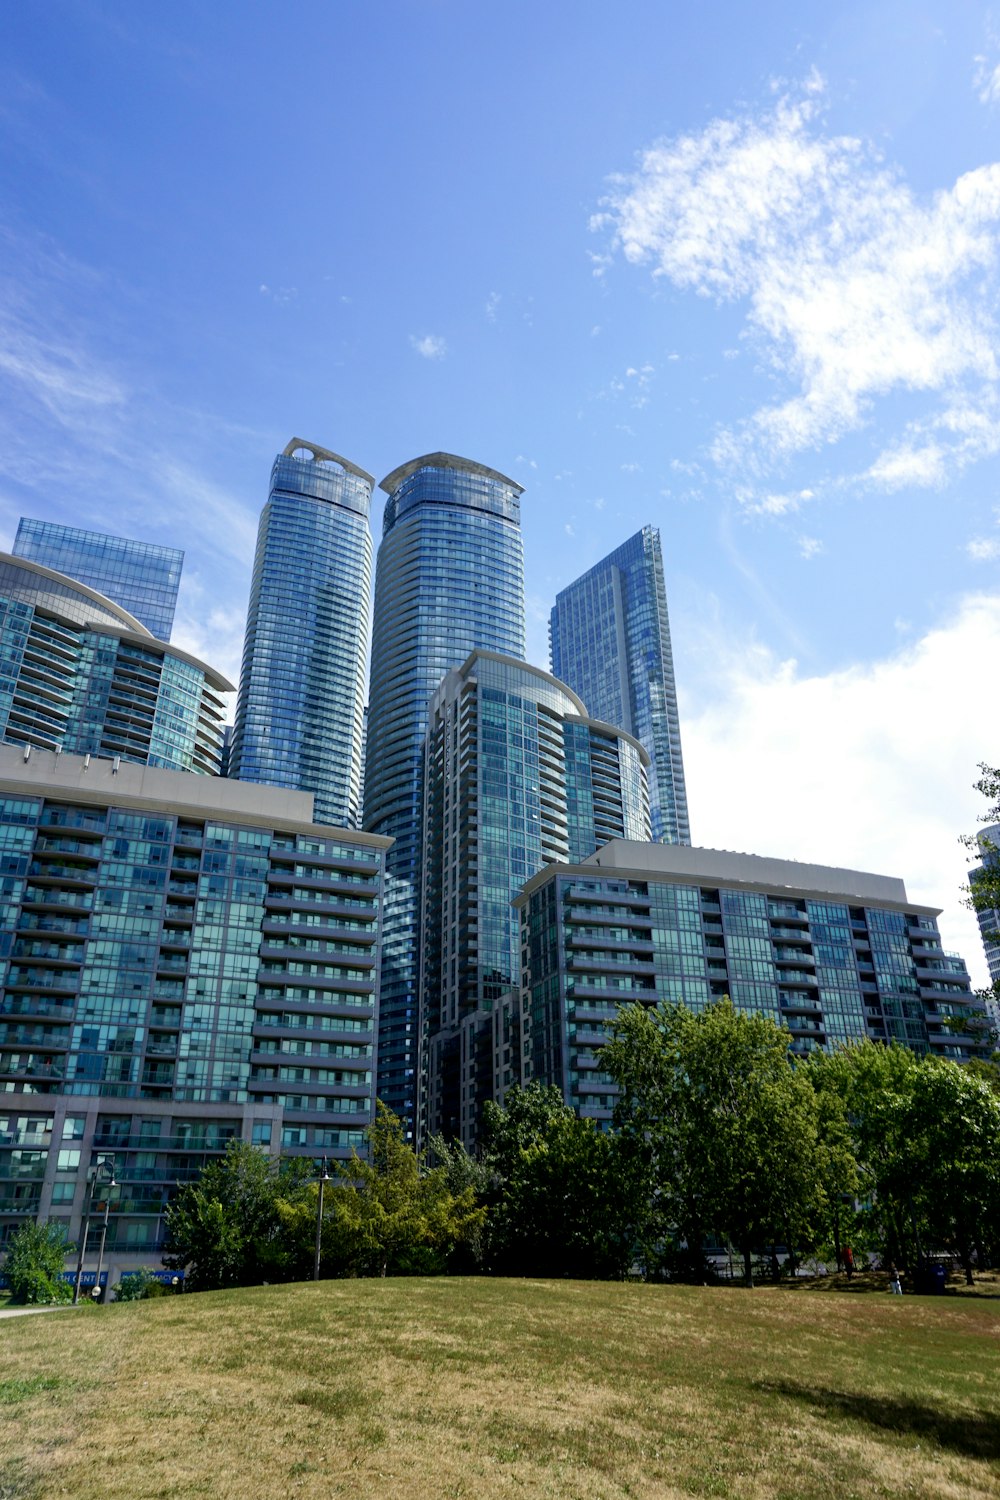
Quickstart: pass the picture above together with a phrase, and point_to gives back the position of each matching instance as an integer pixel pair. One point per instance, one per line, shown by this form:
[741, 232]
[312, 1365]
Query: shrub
[34, 1263]
[139, 1286]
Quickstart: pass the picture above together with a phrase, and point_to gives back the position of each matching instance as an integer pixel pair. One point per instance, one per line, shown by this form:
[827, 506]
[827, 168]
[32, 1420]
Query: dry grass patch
[485, 1389]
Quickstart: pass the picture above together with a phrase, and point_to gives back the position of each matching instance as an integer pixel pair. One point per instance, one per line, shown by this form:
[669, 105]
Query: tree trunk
[747, 1267]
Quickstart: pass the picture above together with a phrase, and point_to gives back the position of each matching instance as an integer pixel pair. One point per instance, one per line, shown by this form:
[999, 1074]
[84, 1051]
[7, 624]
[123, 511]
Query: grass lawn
[474, 1388]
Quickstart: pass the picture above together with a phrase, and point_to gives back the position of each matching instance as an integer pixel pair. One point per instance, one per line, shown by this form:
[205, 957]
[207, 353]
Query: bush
[34, 1264]
[138, 1286]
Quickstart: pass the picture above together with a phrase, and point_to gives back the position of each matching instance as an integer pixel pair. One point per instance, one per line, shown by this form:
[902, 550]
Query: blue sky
[730, 270]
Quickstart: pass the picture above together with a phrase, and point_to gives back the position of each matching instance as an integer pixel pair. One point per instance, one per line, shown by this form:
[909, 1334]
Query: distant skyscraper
[302, 684]
[449, 579]
[140, 576]
[517, 778]
[609, 638]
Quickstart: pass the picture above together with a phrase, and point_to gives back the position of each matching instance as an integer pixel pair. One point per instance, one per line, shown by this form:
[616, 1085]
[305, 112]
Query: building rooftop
[95, 779]
[445, 461]
[681, 864]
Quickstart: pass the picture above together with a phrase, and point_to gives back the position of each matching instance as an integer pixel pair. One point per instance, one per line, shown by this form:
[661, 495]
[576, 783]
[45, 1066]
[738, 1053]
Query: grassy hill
[475, 1388]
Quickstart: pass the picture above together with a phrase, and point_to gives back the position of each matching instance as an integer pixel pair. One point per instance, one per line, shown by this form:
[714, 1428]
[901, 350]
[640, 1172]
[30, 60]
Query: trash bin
[930, 1280]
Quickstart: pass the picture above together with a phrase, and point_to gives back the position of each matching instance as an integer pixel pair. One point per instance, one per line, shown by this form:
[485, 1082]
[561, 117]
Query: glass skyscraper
[79, 673]
[517, 778]
[449, 579]
[140, 576]
[299, 717]
[609, 638]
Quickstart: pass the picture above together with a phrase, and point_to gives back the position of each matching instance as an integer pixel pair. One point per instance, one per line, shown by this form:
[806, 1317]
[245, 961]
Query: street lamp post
[324, 1178]
[102, 1166]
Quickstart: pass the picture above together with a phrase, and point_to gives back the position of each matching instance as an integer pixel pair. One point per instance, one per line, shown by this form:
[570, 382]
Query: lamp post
[105, 1165]
[324, 1178]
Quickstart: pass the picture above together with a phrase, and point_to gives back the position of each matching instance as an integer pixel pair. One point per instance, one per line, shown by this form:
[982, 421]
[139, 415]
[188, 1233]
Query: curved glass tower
[449, 579]
[517, 777]
[78, 673]
[299, 718]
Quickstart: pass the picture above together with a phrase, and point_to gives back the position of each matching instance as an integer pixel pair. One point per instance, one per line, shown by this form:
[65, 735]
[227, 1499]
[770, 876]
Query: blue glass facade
[78, 673]
[609, 636]
[517, 777]
[449, 579]
[299, 718]
[182, 961]
[834, 963]
[140, 576]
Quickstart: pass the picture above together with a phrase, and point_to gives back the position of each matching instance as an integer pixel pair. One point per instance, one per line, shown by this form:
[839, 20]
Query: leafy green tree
[387, 1215]
[875, 1084]
[225, 1229]
[727, 1126]
[954, 1129]
[34, 1263]
[561, 1202]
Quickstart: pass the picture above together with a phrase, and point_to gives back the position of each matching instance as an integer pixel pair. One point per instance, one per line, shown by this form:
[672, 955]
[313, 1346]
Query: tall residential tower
[517, 778]
[302, 685]
[609, 638]
[449, 579]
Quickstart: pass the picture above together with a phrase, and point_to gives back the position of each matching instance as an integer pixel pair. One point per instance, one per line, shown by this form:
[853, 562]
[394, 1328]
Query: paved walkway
[24, 1312]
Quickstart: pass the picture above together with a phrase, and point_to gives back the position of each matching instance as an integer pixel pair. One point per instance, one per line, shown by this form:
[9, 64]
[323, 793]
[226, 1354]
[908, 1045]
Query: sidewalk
[23, 1312]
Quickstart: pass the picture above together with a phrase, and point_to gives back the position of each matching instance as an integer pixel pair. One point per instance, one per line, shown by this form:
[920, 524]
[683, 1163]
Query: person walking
[895, 1286]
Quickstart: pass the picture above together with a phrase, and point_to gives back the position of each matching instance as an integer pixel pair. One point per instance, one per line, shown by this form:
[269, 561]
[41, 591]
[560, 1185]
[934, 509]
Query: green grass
[481, 1389]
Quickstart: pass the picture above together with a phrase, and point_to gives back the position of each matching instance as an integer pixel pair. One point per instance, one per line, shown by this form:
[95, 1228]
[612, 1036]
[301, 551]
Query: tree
[726, 1127]
[875, 1084]
[561, 1202]
[225, 1229]
[34, 1263]
[954, 1127]
[399, 1218]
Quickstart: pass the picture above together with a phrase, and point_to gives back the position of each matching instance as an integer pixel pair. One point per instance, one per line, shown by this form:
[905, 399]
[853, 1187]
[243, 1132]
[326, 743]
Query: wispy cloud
[281, 295]
[810, 547]
[430, 346]
[855, 288]
[492, 303]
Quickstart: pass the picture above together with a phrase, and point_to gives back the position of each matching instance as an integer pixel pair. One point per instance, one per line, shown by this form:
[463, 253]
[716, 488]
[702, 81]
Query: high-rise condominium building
[184, 960]
[517, 777]
[302, 683]
[140, 576]
[449, 579]
[609, 638]
[78, 673]
[834, 955]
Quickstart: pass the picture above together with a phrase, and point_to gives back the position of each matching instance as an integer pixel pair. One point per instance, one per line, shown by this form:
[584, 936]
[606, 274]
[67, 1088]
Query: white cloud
[430, 346]
[984, 549]
[854, 288]
[986, 79]
[568, 529]
[809, 547]
[492, 303]
[849, 768]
